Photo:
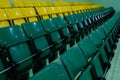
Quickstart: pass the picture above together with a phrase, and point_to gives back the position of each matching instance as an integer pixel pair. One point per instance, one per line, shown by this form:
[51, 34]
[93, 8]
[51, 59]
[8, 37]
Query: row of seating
[89, 59]
[31, 3]
[34, 3]
[22, 15]
[30, 46]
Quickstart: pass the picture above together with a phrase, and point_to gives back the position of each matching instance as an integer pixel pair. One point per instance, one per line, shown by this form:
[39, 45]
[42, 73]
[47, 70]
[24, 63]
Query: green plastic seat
[16, 49]
[82, 29]
[115, 20]
[73, 27]
[54, 71]
[87, 74]
[80, 16]
[97, 40]
[112, 28]
[97, 65]
[35, 32]
[105, 61]
[88, 47]
[3, 76]
[84, 18]
[53, 36]
[106, 43]
[52, 31]
[107, 27]
[111, 32]
[87, 21]
[64, 30]
[38, 42]
[74, 61]
[80, 25]
[101, 33]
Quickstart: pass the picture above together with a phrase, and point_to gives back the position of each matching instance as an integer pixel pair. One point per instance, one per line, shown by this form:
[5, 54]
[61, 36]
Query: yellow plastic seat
[18, 3]
[85, 3]
[69, 10]
[64, 10]
[51, 12]
[76, 3]
[92, 7]
[81, 8]
[4, 4]
[88, 7]
[28, 3]
[50, 4]
[36, 3]
[44, 4]
[42, 12]
[3, 19]
[96, 6]
[19, 21]
[58, 11]
[72, 7]
[65, 3]
[75, 9]
[30, 14]
[57, 3]
[85, 8]
[16, 15]
[70, 3]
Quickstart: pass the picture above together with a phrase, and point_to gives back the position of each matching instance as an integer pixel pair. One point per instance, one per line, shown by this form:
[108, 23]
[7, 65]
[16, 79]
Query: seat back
[4, 4]
[14, 42]
[106, 28]
[54, 71]
[30, 14]
[18, 17]
[96, 39]
[3, 18]
[43, 3]
[51, 12]
[28, 3]
[70, 19]
[58, 11]
[64, 10]
[97, 65]
[42, 12]
[100, 31]
[18, 3]
[88, 47]
[62, 24]
[52, 29]
[72, 23]
[36, 33]
[74, 61]
[87, 74]
[36, 3]
[60, 21]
